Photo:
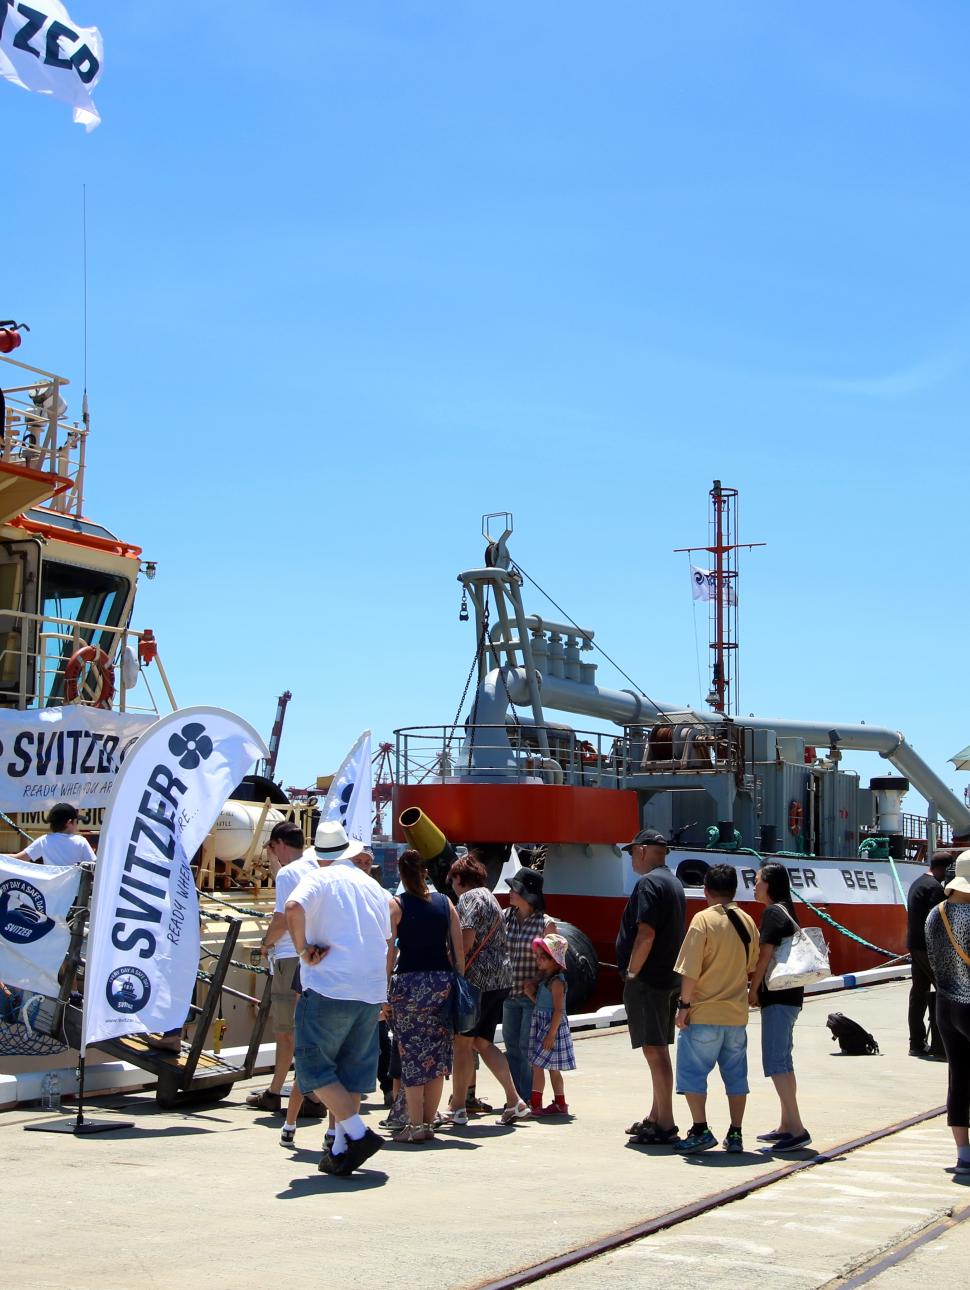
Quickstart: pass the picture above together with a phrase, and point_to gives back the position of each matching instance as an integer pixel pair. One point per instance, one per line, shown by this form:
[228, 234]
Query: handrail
[29, 673]
[37, 433]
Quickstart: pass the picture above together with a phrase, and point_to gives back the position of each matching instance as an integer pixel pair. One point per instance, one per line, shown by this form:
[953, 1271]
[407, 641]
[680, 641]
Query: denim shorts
[700, 1048]
[777, 1036]
[337, 1041]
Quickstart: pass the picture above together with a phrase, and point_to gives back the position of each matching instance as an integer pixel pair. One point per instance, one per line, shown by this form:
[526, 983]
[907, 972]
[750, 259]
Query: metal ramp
[191, 1075]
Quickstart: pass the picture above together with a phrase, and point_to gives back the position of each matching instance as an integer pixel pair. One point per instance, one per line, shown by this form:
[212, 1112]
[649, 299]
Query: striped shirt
[520, 934]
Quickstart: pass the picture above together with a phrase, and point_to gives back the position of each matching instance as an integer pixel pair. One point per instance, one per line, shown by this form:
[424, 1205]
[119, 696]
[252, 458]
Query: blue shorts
[700, 1048]
[337, 1042]
[777, 1036]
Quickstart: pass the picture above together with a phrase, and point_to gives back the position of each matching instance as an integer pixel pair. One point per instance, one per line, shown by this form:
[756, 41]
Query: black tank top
[422, 933]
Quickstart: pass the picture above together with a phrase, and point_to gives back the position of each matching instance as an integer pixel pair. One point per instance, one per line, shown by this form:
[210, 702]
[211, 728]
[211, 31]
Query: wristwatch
[681, 1005]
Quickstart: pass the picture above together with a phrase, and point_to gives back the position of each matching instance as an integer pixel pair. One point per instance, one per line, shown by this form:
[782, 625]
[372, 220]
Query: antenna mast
[722, 595]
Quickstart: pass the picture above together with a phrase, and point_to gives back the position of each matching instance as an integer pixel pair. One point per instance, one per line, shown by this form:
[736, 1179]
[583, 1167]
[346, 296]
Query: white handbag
[799, 960]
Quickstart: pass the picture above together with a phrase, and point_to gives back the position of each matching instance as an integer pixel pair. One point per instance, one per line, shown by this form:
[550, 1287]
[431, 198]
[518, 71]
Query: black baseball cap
[647, 838]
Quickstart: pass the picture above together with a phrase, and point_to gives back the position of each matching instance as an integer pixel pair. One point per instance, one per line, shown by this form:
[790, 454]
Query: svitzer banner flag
[67, 754]
[41, 49]
[143, 941]
[35, 900]
[350, 797]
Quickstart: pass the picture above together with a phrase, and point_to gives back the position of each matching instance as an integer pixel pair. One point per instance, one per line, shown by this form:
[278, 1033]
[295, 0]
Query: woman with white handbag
[779, 1008]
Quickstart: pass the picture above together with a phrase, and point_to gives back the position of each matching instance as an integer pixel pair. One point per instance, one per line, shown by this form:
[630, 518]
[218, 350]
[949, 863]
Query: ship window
[81, 595]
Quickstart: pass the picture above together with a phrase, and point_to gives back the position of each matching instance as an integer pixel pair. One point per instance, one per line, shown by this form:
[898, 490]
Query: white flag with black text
[41, 49]
[143, 941]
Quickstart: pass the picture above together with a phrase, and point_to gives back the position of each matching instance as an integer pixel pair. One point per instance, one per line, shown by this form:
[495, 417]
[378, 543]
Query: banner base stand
[79, 1126]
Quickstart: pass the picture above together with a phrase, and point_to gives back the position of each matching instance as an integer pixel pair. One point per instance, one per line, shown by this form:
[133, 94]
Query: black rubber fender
[582, 967]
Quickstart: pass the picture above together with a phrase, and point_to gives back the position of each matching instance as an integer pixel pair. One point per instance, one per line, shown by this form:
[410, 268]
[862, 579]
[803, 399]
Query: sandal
[442, 1120]
[520, 1111]
[641, 1126]
[413, 1133]
[657, 1137]
[265, 1101]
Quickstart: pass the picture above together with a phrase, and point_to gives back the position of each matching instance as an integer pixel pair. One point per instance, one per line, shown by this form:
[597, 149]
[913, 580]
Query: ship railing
[35, 650]
[37, 433]
[511, 754]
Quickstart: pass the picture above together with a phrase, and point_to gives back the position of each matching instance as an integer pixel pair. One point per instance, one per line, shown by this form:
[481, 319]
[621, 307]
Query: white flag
[143, 942]
[41, 49]
[350, 797]
[703, 585]
[35, 900]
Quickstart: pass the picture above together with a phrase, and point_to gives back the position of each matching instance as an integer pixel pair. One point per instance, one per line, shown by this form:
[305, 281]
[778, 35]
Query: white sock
[291, 1127]
[353, 1127]
[339, 1141]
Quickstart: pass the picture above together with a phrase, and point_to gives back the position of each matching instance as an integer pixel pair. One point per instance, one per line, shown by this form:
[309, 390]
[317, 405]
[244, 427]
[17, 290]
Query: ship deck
[209, 1198]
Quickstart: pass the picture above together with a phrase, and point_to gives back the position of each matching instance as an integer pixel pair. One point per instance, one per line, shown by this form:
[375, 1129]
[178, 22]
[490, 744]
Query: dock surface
[208, 1198]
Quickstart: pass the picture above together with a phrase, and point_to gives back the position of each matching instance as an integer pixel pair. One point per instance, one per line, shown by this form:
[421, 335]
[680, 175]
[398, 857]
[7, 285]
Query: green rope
[245, 967]
[820, 913]
[247, 913]
[23, 832]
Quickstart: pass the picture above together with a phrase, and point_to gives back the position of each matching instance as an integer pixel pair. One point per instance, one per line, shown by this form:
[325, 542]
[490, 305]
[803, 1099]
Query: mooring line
[650, 1227]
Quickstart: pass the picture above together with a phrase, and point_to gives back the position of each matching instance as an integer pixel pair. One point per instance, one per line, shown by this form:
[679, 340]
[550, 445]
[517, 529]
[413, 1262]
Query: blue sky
[361, 272]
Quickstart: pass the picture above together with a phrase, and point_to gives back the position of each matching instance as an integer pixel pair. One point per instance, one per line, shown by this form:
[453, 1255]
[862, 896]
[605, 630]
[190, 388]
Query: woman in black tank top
[428, 940]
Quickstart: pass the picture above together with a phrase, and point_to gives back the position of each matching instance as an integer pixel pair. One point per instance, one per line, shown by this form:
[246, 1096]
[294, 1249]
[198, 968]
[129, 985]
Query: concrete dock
[208, 1197]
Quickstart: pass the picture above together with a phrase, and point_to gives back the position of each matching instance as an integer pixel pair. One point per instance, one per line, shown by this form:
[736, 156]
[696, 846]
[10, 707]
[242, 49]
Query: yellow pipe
[422, 833]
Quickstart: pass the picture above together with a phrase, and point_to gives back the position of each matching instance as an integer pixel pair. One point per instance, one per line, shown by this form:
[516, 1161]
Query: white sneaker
[520, 1111]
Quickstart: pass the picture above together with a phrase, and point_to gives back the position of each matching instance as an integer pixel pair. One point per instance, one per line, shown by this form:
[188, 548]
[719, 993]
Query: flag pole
[78, 1126]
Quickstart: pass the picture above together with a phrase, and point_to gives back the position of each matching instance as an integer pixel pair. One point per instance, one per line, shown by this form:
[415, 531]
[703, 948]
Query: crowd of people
[357, 969]
[366, 981]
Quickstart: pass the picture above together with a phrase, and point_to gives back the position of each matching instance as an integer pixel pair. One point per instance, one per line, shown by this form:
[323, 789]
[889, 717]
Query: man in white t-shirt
[286, 848]
[63, 845]
[340, 922]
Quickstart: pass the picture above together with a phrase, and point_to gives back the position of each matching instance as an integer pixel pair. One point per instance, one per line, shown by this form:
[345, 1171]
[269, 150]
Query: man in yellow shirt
[719, 951]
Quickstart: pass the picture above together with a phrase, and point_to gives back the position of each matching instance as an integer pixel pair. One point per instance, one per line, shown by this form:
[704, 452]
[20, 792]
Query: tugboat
[720, 788]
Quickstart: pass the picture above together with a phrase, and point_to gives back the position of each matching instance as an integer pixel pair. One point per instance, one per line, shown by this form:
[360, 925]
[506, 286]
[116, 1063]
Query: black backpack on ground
[853, 1040]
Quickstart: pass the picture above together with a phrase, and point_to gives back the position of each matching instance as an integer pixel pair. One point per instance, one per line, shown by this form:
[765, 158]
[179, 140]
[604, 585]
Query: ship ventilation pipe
[485, 751]
[431, 844]
[890, 791]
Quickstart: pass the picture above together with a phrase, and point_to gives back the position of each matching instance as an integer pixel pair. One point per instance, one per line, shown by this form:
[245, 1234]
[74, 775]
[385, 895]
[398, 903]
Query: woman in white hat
[948, 945]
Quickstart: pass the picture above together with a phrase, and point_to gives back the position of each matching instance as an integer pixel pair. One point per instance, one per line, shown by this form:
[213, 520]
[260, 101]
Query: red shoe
[554, 1108]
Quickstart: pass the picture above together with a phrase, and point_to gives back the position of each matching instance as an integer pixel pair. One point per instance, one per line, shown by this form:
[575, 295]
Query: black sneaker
[793, 1142]
[735, 1143]
[358, 1150]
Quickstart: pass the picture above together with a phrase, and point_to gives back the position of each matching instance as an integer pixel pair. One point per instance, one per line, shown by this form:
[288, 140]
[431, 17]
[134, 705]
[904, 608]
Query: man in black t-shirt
[649, 940]
[926, 892]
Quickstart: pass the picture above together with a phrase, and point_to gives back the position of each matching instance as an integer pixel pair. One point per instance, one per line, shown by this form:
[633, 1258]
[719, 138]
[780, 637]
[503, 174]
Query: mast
[722, 596]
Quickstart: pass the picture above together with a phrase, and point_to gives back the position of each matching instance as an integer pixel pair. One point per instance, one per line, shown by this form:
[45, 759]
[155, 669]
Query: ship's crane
[267, 766]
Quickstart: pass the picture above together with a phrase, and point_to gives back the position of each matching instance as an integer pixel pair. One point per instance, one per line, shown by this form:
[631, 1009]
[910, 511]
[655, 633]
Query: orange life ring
[99, 660]
[795, 817]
